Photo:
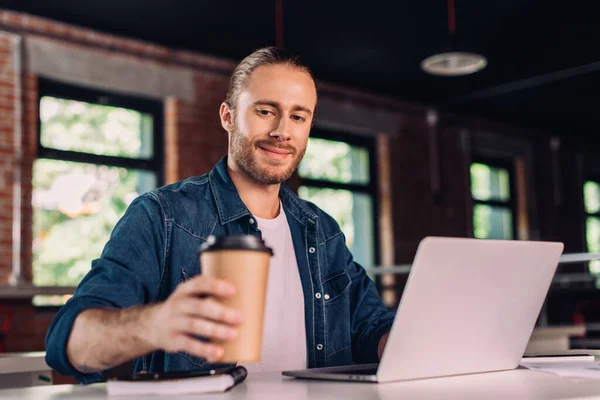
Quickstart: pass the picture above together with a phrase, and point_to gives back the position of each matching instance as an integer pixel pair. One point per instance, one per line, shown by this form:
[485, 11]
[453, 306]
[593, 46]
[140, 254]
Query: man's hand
[381, 345]
[193, 310]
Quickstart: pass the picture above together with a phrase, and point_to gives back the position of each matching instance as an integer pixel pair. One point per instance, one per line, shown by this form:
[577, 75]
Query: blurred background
[495, 137]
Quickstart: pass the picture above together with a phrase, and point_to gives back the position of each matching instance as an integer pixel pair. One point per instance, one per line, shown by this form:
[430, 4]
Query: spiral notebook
[175, 383]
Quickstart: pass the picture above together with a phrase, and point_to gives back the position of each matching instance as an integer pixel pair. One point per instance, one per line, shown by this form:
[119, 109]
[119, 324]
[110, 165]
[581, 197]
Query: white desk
[516, 384]
[24, 369]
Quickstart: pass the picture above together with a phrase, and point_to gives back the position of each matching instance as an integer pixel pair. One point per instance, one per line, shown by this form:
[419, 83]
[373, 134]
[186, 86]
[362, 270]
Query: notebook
[176, 383]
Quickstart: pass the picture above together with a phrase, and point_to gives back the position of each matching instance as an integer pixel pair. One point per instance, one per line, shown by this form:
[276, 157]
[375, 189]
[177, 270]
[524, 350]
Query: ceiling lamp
[453, 63]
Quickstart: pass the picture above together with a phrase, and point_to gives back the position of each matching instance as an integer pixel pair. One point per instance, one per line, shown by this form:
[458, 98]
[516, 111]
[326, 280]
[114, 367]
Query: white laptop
[469, 306]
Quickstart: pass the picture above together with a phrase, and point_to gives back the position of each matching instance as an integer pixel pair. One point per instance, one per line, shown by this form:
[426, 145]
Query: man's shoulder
[194, 186]
[192, 183]
[327, 224]
[187, 193]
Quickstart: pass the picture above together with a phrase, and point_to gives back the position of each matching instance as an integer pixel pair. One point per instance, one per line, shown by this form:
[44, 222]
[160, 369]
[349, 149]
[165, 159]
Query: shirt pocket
[336, 292]
[335, 286]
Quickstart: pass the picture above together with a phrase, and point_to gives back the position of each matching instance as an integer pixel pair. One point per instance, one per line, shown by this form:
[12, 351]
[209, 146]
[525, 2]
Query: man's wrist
[146, 336]
[381, 344]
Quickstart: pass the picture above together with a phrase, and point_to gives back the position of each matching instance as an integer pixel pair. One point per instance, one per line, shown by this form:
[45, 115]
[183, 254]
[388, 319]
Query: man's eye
[264, 113]
[298, 118]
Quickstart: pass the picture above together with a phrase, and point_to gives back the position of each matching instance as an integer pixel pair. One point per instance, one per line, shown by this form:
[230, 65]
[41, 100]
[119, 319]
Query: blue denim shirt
[154, 247]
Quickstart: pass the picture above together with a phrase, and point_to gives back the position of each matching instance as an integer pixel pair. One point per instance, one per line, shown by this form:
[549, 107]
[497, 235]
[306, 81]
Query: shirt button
[311, 250]
[326, 297]
[251, 221]
[319, 346]
[318, 295]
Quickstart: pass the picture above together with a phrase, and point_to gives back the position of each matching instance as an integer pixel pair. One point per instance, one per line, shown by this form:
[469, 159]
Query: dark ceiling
[543, 56]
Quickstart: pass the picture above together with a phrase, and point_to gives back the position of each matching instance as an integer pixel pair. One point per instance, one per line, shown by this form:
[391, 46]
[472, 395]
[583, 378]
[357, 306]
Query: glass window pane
[591, 197]
[94, 128]
[594, 268]
[353, 212]
[489, 183]
[593, 234]
[45, 300]
[492, 222]
[335, 162]
[75, 207]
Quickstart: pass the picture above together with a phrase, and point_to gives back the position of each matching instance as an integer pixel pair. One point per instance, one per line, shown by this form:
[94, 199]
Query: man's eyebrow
[302, 108]
[276, 105]
[271, 103]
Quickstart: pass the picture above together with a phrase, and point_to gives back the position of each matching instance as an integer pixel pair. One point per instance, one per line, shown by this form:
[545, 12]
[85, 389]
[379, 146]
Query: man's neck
[261, 199]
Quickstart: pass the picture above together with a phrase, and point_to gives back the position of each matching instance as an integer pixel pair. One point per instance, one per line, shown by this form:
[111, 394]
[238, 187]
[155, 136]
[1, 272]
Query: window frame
[154, 164]
[511, 204]
[589, 177]
[370, 189]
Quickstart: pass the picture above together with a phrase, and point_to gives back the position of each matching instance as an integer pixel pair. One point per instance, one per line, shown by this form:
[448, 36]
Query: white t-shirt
[284, 334]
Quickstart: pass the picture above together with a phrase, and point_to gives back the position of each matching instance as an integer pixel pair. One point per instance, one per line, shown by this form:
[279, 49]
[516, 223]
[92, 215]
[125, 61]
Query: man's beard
[241, 150]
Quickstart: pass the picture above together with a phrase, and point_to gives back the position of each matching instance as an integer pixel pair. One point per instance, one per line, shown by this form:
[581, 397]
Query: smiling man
[146, 299]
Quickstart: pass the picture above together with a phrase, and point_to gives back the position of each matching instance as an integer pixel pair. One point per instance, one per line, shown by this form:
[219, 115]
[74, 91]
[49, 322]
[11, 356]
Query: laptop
[469, 306]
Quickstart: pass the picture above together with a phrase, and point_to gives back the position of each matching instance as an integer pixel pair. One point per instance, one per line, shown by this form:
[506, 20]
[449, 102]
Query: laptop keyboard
[372, 371]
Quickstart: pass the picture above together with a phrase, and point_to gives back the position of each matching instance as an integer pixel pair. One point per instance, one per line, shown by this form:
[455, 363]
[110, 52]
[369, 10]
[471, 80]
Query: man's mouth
[275, 152]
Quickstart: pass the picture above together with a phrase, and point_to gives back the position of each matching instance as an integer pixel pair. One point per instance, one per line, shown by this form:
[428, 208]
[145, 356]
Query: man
[146, 299]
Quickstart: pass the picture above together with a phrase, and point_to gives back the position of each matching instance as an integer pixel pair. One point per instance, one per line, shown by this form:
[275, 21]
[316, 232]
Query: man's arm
[371, 321]
[105, 322]
[102, 338]
[127, 274]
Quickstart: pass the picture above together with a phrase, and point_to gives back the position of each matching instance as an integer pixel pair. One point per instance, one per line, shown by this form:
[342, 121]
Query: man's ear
[226, 114]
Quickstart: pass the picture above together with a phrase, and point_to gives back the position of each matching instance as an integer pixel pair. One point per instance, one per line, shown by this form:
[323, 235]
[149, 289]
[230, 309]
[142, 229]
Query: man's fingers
[209, 351]
[203, 285]
[205, 328]
[211, 309]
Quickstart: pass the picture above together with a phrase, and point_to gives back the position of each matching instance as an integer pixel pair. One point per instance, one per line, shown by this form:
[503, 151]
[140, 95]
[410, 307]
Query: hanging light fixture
[279, 23]
[453, 63]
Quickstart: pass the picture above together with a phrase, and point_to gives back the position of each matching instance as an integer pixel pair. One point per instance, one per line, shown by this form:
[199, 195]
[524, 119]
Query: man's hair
[261, 57]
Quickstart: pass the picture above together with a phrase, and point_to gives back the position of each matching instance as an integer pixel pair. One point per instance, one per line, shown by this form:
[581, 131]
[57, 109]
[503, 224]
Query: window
[591, 197]
[97, 152]
[493, 200]
[338, 175]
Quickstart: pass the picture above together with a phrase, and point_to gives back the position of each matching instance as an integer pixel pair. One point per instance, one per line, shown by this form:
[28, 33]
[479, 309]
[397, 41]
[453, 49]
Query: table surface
[11, 363]
[514, 384]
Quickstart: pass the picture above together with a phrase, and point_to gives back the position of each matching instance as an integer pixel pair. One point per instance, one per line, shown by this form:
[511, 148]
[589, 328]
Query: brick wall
[7, 109]
[29, 326]
[194, 142]
[30, 120]
[194, 130]
[418, 212]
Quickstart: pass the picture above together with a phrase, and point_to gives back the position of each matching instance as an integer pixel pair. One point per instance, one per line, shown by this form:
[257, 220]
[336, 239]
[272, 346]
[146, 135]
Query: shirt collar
[231, 207]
